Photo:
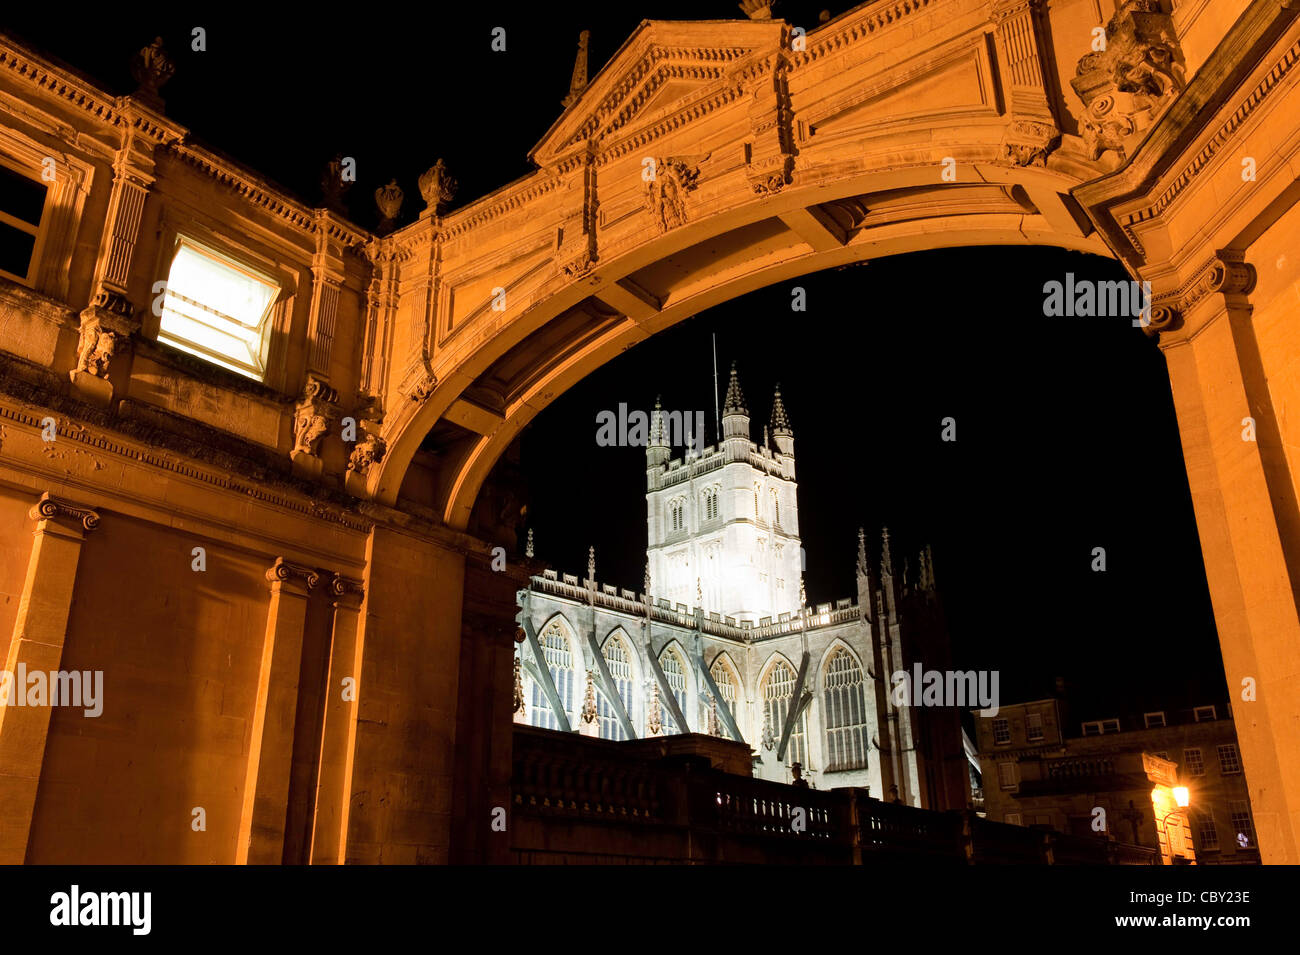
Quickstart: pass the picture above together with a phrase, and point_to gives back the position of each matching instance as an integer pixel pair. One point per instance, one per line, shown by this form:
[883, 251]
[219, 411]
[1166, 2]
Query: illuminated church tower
[723, 521]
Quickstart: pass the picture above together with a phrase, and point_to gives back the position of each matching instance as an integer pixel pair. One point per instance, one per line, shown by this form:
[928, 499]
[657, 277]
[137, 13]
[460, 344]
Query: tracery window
[675, 672]
[725, 680]
[710, 503]
[678, 514]
[619, 660]
[846, 713]
[776, 508]
[778, 693]
[559, 660]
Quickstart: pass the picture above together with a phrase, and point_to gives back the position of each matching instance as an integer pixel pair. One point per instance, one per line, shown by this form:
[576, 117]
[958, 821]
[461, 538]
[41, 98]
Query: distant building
[1117, 776]
[719, 641]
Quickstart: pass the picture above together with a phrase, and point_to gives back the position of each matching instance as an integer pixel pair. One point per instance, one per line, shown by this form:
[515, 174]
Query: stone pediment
[663, 68]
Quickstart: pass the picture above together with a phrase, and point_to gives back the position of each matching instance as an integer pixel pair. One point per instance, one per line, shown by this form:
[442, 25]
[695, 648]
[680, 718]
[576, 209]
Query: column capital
[1223, 280]
[347, 591]
[71, 516]
[297, 576]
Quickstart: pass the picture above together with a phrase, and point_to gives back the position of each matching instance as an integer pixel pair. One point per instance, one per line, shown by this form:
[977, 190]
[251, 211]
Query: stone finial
[519, 686]
[699, 594]
[579, 81]
[528, 548]
[757, 9]
[714, 729]
[437, 188]
[646, 582]
[389, 201]
[862, 552]
[780, 420]
[151, 68]
[886, 562]
[735, 400]
[333, 186]
[591, 564]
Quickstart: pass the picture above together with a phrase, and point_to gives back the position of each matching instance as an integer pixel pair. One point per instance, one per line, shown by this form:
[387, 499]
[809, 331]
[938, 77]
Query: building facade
[806, 685]
[1118, 776]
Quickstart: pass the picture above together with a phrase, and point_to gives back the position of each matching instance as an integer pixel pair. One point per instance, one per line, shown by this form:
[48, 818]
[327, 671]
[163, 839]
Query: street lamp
[1182, 799]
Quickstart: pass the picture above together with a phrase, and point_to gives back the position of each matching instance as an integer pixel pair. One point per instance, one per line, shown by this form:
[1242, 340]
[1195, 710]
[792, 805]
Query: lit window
[1195, 761]
[618, 660]
[675, 673]
[725, 680]
[1001, 731]
[1242, 825]
[778, 692]
[1229, 759]
[559, 660]
[23, 203]
[1154, 719]
[217, 309]
[846, 719]
[1034, 727]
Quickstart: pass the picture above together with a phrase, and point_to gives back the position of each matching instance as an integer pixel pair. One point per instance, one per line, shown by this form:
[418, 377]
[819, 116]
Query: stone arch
[722, 659]
[691, 689]
[636, 707]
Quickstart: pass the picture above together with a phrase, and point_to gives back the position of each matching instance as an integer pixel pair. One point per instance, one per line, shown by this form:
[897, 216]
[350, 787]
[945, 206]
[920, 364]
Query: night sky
[1066, 436]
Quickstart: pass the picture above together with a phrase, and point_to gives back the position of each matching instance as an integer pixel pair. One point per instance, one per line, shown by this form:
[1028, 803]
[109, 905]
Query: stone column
[270, 750]
[1249, 526]
[37, 644]
[339, 732]
[1033, 131]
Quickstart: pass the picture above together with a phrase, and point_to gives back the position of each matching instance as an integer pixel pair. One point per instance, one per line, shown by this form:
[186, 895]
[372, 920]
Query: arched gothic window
[619, 660]
[678, 514]
[711, 503]
[776, 508]
[778, 695]
[725, 679]
[559, 660]
[846, 713]
[675, 671]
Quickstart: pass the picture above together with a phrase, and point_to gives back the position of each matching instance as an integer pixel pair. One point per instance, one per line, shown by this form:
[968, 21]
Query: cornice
[880, 17]
[25, 66]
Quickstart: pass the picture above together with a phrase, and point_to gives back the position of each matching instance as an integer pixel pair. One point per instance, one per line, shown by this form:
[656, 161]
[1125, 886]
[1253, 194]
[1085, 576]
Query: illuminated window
[559, 660]
[618, 659]
[217, 309]
[725, 680]
[1229, 759]
[846, 714]
[675, 672]
[1034, 727]
[1241, 824]
[1001, 731]
[24, 201]
[778, 694]
[1195, 761]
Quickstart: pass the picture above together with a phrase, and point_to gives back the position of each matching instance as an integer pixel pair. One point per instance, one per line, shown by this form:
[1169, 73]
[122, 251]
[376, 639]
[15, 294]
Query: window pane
[16, 250]
[216, 311]
[20, 196]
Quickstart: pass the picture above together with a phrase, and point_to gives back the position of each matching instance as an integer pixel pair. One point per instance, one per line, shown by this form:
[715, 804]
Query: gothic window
[778, 693]
[24, 200]
[711, 503]
[619, 660]
[675, 671]
[217, 309]
[559, 660]
[678, 509]
[725, 680]
[776, 508]
[846, 716]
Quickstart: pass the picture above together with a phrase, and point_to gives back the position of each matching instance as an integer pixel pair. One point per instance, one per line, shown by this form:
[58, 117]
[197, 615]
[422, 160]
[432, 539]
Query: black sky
[1066, 433]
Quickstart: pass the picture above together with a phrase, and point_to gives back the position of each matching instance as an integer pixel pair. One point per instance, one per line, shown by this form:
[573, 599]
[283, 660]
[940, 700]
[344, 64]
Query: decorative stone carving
[1126, 87]
[369, 450]
[655, 724]
[589, 711]
[1227, 273]
[437, 188]
[771, 176]
[519, 687]
[342, 587]
[714, 729]
[95, 346]
[53, 508]
[283, 571]
[389, 200]
[151, 68]
[1164, 318]
[665, 195]
[578, 82]
[311, 420]
[1029, 143]
[334, 188]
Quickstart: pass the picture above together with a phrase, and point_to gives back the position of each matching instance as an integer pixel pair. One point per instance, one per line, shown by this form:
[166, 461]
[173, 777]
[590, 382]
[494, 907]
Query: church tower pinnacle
[735, 415]
[657, 450]
[782, 434]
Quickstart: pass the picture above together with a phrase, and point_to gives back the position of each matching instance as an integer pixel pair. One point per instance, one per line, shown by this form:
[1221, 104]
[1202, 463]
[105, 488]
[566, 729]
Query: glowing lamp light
[1182, 796]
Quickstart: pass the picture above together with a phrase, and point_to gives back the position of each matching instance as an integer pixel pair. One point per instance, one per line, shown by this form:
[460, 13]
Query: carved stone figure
[151, 68]
[665, 196]
[369, 450]
[95, 347]
[313, 415]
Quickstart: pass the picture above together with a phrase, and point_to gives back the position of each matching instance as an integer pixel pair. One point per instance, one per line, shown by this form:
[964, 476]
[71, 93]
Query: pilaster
[36, 645]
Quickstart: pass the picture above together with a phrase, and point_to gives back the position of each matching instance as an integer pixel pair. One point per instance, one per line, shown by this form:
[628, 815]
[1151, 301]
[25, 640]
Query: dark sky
[1066, 434]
